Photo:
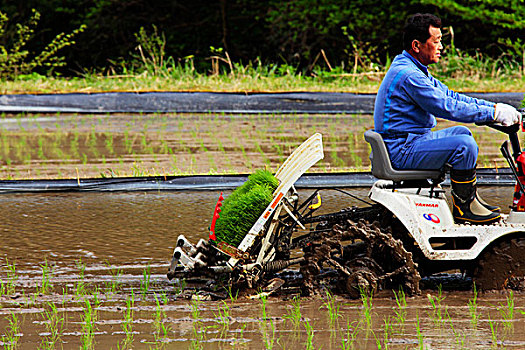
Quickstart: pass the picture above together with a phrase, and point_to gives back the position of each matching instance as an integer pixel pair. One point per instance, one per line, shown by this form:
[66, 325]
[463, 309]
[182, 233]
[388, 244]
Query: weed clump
[243, 206]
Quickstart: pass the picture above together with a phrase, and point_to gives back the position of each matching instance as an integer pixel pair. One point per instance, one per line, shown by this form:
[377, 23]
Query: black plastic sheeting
[207, 102]
[493, 177]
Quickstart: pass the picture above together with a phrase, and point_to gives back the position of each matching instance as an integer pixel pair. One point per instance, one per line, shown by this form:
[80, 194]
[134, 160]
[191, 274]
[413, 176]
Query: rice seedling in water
[128, 143]
[264, 299]
[164, 298]
[473, 307]
[112, 285]
[400, 312]
[232, 296]
[160, 329]
[54, 324]
[80, 286]
[238, 340]
[74, 146]
[350, 335]
[40, 150]
[127, 324]
[493, 332]
[145, 283]
[223, 315]
[8, 287]
[89, 319]
[268, 331]
[95, 296]
[387, 330]
[11, 332]
[333, 308]
[460, 338]
[507, 312]
[366, 299]
[45, 285]
[178, 286]
[266, 325]
[109, 143]
[309, 345]
[420, 338]
[279, 151]
[437, 308]
[295, 312]
[198, 331]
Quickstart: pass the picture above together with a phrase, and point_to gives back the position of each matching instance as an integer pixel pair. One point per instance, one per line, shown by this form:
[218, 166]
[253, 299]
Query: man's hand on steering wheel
[506, 114]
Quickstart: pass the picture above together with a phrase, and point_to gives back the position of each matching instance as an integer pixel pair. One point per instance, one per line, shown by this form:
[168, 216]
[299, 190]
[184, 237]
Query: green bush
[16, 60]
[363, 35]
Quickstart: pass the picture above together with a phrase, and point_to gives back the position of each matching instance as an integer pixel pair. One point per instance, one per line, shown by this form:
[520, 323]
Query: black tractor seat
[382, 167]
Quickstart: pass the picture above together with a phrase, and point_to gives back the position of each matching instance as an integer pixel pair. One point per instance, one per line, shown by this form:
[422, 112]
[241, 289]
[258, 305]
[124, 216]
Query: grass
[474, 73]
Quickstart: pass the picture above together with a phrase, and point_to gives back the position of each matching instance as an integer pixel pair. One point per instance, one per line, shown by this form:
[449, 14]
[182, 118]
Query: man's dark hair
[417, 28]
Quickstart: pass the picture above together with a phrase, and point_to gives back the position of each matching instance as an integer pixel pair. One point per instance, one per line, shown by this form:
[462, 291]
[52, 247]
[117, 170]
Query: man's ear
[415, 46]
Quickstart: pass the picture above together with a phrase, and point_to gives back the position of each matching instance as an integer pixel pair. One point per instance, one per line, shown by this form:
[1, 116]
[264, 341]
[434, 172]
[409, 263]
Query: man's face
[430, 51]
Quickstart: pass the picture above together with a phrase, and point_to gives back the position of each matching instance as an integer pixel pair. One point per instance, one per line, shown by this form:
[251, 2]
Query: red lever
[215, 217]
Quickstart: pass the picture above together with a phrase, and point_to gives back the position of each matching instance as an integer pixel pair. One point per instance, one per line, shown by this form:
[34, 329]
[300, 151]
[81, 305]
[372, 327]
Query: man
[407, 103]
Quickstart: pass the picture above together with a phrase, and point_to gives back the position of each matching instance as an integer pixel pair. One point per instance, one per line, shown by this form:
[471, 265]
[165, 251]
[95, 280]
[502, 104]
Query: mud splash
[374, 260]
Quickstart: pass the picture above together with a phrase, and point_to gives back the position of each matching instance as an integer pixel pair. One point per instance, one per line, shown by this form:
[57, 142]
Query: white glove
[506, 114]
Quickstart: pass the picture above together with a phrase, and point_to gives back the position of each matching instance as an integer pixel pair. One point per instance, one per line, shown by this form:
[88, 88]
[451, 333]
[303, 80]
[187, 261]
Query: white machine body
[429, 220]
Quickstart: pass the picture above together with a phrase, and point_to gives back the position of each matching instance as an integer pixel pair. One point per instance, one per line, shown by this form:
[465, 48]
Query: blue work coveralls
[407, 104]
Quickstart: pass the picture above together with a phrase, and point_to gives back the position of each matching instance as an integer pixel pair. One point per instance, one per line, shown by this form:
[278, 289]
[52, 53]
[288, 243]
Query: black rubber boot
[493, 208]
[466, 204]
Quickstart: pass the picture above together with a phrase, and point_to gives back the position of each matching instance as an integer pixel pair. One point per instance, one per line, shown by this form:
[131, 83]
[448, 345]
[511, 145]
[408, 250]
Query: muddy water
[99, 260]
[71, 146]
[89, 269]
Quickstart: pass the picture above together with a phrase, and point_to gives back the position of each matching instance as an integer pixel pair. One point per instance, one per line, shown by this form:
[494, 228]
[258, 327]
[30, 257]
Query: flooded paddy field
[88, 270]
[86, 146]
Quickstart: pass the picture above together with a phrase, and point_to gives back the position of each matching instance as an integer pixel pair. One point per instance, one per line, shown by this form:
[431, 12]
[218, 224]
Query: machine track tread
[365, 257]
